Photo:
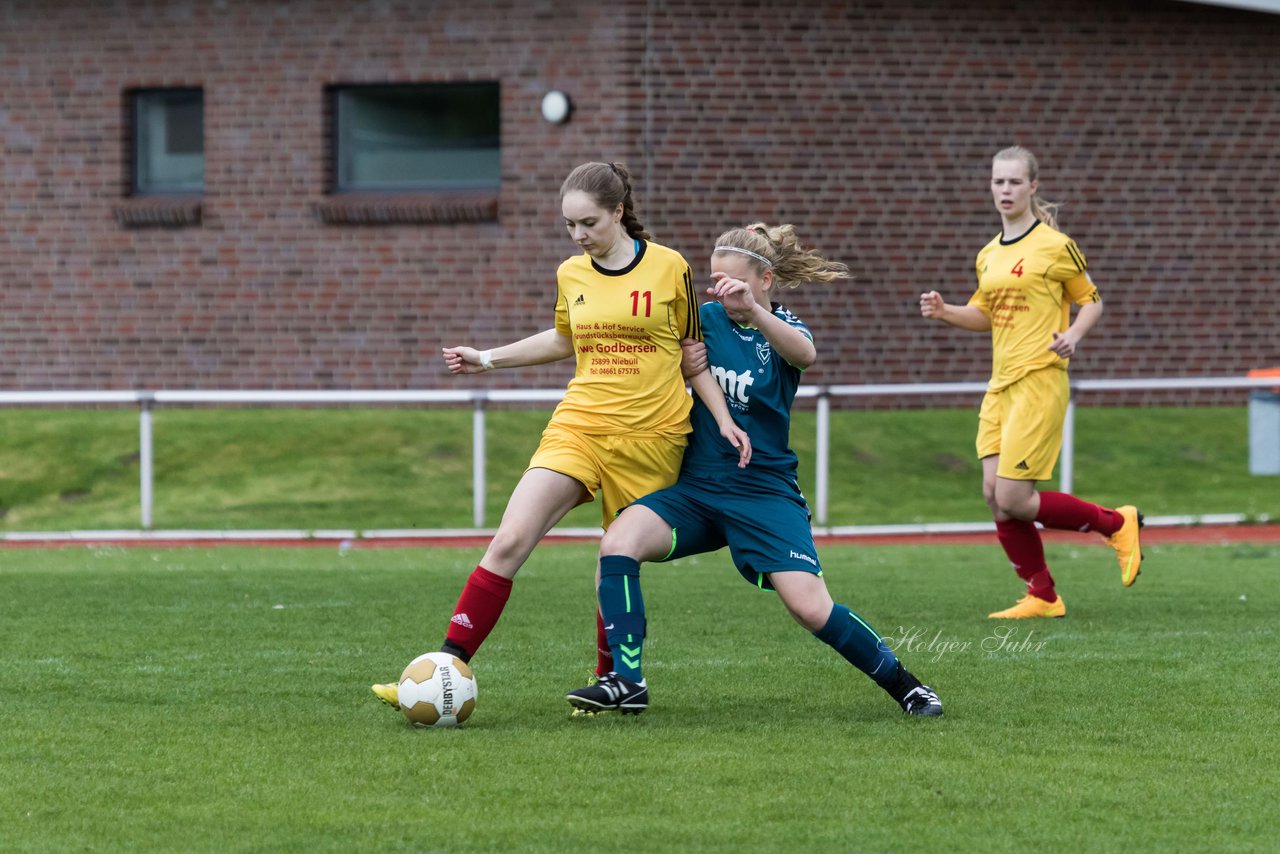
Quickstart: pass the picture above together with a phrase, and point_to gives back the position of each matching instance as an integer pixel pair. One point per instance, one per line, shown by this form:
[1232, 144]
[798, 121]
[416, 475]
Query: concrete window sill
[408, 208]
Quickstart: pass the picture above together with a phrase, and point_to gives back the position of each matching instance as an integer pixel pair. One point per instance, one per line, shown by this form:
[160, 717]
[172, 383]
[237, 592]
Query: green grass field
[365, 469]
[217, 700]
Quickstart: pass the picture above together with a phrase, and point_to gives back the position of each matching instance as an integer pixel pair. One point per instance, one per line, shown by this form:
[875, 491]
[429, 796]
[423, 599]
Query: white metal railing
[480, 398]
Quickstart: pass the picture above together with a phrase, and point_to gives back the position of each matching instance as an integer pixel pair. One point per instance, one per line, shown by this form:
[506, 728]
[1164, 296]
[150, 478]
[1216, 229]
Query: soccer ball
[437, 689]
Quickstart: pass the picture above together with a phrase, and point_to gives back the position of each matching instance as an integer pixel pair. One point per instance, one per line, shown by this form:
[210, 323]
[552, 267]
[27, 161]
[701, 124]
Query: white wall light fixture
[556, 107]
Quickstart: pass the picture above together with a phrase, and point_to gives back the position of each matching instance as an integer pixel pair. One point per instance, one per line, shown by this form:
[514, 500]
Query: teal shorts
[762, 517]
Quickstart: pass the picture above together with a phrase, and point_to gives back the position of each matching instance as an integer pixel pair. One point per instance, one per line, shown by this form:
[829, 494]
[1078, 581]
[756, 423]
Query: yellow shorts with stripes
[621, 468]
[1023, 424]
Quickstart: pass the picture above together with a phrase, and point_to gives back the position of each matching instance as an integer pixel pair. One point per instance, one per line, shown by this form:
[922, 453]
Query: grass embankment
[365, 469]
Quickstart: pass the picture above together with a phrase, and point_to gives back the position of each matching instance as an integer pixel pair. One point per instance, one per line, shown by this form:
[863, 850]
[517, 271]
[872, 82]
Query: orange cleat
[1032, 606]
[1128, 548]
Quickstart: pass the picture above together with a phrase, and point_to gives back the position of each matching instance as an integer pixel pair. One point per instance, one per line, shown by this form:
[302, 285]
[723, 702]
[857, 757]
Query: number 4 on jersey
[1017, 268]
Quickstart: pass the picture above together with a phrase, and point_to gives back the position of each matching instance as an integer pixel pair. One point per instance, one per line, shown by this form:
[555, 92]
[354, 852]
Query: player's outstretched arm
[932, 307]
[709, 391]
[547, 346]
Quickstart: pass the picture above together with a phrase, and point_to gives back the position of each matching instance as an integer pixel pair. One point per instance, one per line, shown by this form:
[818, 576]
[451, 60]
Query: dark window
[416, 137]
[168, 141]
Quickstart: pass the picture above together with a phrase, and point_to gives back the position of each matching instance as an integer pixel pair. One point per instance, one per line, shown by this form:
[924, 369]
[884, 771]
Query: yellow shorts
[1023, 424]
[621, 468]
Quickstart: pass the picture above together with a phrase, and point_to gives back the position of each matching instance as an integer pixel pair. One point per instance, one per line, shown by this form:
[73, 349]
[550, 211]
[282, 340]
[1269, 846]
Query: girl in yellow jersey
[622, 309]
[1028, 275]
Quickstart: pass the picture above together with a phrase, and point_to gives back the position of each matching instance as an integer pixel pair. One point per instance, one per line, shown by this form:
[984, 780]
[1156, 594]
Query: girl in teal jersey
[757, 350]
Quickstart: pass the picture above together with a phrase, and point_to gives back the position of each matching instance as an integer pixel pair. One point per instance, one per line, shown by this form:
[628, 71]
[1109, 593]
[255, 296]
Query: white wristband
[486, 359]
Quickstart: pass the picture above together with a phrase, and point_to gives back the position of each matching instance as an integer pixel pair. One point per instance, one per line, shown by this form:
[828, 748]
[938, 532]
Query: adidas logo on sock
[463, 620]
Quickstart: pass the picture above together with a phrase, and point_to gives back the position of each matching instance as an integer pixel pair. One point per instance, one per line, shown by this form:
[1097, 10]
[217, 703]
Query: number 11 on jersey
[635, 303]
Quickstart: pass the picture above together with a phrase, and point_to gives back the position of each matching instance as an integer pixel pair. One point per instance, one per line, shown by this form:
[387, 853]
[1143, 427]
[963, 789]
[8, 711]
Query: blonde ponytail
[777, 248]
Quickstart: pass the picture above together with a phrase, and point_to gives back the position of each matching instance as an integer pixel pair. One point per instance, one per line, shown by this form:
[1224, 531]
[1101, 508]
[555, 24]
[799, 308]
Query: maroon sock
[1040, 586]
[1068, 513]
[1021, 542]
[604, 655]
[478, 609]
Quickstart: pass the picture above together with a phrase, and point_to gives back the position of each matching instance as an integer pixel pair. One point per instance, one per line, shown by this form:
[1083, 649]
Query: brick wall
[868, 124]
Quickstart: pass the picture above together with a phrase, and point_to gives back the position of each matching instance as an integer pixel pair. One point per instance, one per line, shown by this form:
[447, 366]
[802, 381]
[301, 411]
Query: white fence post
[145, 461]
[823, 453]
[1066, 474]
[478, 454]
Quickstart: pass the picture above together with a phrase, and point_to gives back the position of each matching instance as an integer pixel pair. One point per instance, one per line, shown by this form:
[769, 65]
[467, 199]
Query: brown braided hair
[608, 185]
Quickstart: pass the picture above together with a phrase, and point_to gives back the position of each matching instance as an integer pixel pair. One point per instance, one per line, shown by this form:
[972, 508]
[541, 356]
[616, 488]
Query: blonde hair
[1045, 211]
[792, 264]
[608, 185]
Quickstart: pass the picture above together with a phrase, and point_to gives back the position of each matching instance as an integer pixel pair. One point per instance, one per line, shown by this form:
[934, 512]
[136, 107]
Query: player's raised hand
[931, 305]
[462, 360]
[734, 294]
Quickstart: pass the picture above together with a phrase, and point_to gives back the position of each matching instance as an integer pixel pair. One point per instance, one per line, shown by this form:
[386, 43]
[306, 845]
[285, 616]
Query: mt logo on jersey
[735, 384]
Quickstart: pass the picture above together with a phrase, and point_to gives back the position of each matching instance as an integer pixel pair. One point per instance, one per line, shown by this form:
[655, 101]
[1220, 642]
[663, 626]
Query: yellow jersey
[626, 326]
[1026, 286]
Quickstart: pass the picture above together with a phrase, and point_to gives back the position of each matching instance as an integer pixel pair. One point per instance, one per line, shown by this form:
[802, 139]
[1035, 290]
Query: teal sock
[622, 608]
[847, 634]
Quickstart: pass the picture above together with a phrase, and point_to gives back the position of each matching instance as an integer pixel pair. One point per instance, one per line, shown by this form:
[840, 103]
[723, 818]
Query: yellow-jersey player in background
[622, 308]
[1028, 276]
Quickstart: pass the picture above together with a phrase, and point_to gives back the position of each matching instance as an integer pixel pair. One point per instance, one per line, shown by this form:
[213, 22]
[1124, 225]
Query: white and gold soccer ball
[437, 689]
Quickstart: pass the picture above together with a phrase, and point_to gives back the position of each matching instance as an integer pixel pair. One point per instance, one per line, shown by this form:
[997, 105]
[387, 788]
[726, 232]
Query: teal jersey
[759, 387]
